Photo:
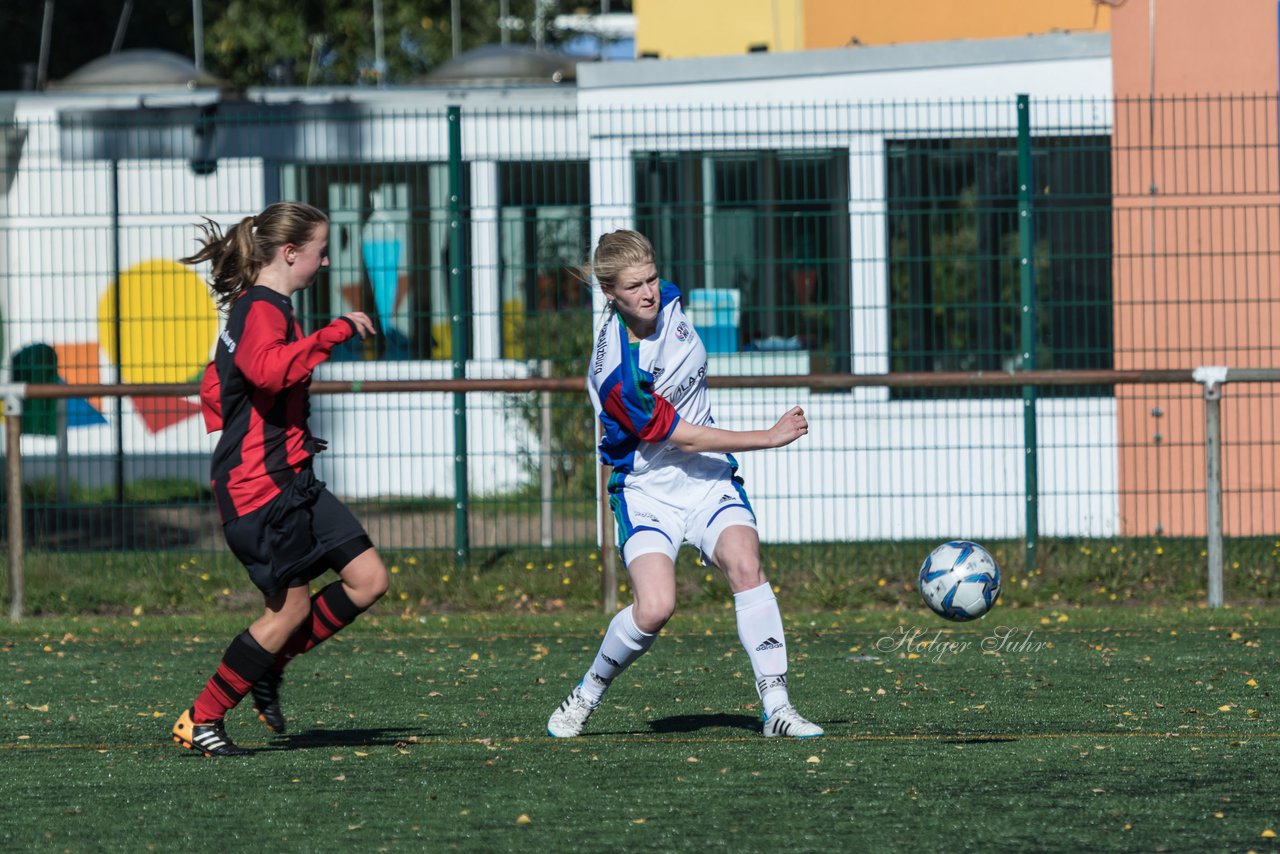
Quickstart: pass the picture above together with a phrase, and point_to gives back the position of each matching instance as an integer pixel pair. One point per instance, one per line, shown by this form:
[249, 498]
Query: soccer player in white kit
[674, 481]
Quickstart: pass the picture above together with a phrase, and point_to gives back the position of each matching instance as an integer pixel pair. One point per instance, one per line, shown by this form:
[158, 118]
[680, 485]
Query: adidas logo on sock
[766, 683]
[770, 643]
[610, 661]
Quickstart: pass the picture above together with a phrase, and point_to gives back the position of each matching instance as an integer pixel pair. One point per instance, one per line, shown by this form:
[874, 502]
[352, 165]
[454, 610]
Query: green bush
[562, 345]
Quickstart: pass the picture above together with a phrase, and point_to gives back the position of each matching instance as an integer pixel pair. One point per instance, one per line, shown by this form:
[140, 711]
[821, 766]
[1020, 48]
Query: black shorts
[301, 534]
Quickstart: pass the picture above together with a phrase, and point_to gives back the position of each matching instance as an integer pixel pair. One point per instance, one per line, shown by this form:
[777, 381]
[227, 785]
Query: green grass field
[1073, 730]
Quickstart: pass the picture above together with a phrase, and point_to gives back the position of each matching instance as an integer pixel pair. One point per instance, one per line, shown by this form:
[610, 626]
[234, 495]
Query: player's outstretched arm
[696, 439]
[271, 362]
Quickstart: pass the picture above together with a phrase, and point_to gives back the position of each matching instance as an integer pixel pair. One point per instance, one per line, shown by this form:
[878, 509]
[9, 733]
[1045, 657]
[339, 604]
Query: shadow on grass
[694, 723]
[980, 739]
[329, 738]
[117, 528]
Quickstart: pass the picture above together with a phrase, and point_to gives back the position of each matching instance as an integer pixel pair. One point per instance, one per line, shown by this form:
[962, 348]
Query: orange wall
[683, 28]
[1199, 48]
[834, 23]
[1195, 233]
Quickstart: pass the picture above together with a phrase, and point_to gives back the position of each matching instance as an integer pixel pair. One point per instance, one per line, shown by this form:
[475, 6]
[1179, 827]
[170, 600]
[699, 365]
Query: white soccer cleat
[787, 723]
[568, 720]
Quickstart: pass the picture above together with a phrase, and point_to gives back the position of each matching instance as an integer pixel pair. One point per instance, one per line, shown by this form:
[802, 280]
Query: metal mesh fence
[877, 239]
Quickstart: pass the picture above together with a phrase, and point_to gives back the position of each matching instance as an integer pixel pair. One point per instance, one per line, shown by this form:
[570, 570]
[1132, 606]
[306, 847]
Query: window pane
[954, 271]
[812, 247]
[544, 234]
[669, 199]
[770, 226]
[388, 253]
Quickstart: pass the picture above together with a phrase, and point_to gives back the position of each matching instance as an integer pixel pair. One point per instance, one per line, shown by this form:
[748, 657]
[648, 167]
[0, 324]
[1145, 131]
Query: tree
[259, 42]
[331, 42]
[84, 30]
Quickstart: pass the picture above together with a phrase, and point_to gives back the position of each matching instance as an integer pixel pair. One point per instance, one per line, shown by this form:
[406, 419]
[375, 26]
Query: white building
[765, 179]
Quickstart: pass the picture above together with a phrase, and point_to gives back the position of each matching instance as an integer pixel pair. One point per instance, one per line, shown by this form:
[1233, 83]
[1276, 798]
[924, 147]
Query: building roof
[497, 64]
[136, 70]
[846, 60]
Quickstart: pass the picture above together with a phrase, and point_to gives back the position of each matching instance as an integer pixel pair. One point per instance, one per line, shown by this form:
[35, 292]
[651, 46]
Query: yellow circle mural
[168, 323]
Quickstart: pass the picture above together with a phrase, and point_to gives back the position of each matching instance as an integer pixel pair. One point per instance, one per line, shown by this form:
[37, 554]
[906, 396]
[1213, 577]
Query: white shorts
[647, 524]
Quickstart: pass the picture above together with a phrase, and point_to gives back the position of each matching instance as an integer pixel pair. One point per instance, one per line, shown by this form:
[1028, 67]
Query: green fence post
[458, 338]
[118, 327]
[1026, 262]
[13, 498]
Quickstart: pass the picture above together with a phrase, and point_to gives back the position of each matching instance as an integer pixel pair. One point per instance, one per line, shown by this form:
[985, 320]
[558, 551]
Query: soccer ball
[960, 580]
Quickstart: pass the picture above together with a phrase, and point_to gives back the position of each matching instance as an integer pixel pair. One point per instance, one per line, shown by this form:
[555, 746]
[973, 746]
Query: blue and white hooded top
[641, 391]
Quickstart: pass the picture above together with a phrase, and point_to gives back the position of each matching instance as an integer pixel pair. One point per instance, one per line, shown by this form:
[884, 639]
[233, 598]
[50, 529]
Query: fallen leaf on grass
[523, 819]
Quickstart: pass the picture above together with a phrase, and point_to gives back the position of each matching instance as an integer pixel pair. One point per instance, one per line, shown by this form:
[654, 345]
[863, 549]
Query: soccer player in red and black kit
[281, 522]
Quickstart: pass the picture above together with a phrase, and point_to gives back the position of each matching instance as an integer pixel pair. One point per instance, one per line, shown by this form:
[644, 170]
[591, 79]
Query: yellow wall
[678, 28]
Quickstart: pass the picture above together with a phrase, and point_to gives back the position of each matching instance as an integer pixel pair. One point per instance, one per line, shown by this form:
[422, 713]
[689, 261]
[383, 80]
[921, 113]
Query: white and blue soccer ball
[960, 580]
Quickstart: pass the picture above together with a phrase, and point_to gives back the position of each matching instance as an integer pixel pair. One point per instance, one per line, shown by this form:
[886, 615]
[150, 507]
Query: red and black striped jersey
[256, 392]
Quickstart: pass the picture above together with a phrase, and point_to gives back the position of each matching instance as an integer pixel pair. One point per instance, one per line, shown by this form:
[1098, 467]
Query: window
[772, 227]
[954, 272]
[545, 235]
[388, 256]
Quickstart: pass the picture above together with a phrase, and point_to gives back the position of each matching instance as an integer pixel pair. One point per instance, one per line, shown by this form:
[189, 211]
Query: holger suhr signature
[937, 644]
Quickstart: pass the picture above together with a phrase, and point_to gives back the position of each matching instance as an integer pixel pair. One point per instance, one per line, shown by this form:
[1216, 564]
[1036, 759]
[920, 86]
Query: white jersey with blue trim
[642, 390]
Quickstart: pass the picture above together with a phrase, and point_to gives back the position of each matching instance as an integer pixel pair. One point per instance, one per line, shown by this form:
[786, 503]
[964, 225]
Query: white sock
[623, 643]
[760, 630]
